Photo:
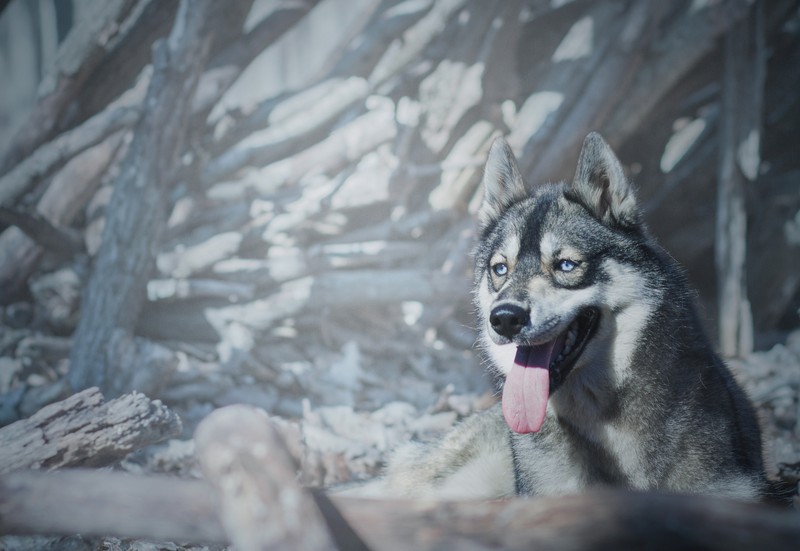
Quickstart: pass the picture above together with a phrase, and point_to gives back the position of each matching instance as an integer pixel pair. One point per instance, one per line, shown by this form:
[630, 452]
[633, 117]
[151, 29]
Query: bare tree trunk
[138, 210]
[740, 132]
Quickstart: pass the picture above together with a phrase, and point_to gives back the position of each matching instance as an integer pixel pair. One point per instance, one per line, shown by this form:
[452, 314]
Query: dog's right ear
[502, 182]
[600, 184]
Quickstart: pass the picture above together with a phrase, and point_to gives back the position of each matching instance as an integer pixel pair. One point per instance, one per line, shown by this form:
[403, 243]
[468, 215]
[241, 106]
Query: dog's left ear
[502, 182]
[600, 184]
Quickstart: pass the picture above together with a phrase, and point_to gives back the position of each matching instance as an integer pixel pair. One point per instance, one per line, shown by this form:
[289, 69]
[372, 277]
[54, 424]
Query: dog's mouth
[574, 341]
[540, 369]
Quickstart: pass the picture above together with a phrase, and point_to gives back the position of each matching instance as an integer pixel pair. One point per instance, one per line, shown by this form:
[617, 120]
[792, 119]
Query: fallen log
[104, 503]
[85, 430]
[168, 509]
[599, 520]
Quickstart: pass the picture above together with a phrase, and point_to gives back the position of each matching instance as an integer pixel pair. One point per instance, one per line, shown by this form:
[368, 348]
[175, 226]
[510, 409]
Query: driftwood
[84, 430]
[261, 505]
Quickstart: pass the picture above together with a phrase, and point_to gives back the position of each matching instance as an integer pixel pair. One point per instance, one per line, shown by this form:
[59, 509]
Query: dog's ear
[600, 184]
[502, 182]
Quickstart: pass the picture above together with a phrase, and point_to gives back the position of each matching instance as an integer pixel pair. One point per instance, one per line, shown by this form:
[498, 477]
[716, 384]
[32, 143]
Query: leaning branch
[52, 154]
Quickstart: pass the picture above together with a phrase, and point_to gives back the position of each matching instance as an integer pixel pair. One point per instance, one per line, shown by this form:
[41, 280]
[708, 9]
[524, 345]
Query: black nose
[508, 320]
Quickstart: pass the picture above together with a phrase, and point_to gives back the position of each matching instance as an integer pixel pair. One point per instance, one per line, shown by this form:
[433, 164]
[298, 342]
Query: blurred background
[312, 221]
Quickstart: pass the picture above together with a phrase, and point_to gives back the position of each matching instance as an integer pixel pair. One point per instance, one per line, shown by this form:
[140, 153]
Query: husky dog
[608, 377]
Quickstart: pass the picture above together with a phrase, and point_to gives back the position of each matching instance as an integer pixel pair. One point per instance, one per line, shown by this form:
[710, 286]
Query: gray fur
[502, 182]
[646, 405]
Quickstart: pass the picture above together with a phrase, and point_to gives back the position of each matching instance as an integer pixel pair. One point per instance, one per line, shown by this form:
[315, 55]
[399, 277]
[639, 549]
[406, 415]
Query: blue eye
[500, 269]
[566, 265]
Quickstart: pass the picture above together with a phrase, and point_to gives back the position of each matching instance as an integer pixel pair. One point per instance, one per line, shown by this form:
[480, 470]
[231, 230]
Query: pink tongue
[527, 387]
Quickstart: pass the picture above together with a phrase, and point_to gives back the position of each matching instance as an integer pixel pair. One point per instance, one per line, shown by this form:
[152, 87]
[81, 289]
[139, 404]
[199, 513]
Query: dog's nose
[508, 320]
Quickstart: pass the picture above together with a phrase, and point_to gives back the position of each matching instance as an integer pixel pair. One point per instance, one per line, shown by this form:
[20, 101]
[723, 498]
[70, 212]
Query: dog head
[554, 271]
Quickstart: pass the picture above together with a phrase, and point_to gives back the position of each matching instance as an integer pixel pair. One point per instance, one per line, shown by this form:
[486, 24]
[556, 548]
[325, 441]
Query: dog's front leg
[473, 460]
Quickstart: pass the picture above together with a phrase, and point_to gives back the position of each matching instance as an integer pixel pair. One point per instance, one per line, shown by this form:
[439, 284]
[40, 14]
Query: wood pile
[250, 498]
[308, 252]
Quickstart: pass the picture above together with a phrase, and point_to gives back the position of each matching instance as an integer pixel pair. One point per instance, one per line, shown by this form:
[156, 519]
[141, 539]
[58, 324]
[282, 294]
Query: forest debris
[335, 290]
[408, 48]
[85, 430]
[49, 225]
[57, 298]
[306, 112]
[28, 172]
[24, 399]
[345, 145]
[341, 445]
[178, 289]
[185, 261]
[594, 98]
[79, 55]
[460, 170]
[56, 239]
